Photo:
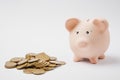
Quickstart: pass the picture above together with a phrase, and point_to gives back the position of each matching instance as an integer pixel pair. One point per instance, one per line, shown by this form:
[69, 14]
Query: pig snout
[82, 44]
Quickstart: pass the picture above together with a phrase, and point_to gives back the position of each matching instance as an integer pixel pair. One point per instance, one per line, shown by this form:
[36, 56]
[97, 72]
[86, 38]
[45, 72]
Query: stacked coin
[34, 63]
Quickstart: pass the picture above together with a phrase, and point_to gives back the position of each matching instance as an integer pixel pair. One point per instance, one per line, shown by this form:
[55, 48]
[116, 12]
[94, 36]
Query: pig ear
[71, 24]
[101, 24]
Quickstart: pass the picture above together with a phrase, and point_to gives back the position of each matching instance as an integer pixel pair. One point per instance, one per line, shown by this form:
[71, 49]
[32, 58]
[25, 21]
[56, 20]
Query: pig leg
[102, 56]
[77, 59]
[93, 60]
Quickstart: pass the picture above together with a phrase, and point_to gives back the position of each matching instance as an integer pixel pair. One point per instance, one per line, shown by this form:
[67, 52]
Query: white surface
[38, 25]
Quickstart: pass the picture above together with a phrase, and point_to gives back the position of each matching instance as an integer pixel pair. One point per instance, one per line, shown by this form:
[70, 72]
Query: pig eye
[77, 32]
[87, 32]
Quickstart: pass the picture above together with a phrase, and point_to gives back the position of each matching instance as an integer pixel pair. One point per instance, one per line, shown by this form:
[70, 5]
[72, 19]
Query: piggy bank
[89, 39]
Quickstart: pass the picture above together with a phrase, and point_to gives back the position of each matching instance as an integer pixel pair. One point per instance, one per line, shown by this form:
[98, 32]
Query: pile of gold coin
[34, 63]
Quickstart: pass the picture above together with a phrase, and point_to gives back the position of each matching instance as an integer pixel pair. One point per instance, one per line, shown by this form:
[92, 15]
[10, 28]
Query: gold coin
[28, 71]
[22, 66]
[10, 64]
[39, 65]
[44, 63]
[58, 62]
[30, 55]
[53, 58]
[47, 63]
[48, 68]
[22, 61]
[52, 65]
[16, 59]
[42, 56]
[38, 71]
[31, 64]
[33, 60]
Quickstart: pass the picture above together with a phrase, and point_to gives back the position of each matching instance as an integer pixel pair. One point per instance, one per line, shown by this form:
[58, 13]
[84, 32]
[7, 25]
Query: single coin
[10, 64]
[22, 61]
[39, 65]
[22, 66]
[30, 55]
[44, 64]
[31, 64]
[48, 68]
[58, 62]
[33, 60]
[42, 56]
[53, 58]
[52, 65]
[28, 71]
[16, 59]
[38, 71]
[47, 63]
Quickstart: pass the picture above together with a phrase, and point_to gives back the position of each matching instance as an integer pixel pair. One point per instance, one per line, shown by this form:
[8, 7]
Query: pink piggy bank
[89, 39]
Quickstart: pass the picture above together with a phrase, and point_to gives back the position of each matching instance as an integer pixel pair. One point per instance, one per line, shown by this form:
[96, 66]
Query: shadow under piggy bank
[110, 60]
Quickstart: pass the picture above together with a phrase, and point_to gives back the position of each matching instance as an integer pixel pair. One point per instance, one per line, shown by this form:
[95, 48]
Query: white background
[39, 25]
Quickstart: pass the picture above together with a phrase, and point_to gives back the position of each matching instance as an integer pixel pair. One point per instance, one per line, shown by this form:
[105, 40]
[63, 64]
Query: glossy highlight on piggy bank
[89, 39]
